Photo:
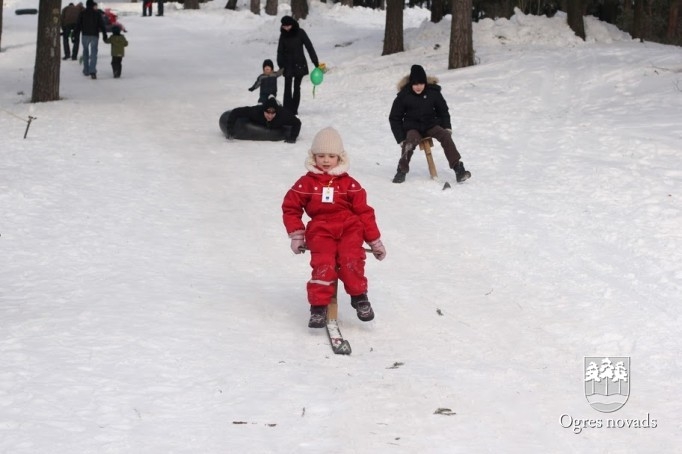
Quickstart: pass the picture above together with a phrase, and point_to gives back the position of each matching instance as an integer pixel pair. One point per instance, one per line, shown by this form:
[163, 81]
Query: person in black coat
[269, 115]
[90, 24]
[290, 56]
[419, 110]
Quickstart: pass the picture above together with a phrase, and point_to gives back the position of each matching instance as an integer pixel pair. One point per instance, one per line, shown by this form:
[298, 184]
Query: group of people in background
[419, 109]
[147, 7]
[293, 66]
[86, 23]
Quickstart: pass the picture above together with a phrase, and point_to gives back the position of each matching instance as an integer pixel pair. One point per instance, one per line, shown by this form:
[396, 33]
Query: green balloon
[316, 76]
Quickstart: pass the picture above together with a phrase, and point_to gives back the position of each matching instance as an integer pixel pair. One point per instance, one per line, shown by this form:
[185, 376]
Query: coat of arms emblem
[607, 382]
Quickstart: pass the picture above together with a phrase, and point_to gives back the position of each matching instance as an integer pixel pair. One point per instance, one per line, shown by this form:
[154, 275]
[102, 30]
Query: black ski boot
[318, 317]
[361, 304]
[399, 177]
[461, 173]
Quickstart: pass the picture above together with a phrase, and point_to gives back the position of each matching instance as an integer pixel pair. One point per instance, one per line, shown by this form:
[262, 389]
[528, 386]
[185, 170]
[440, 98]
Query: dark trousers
[146, 7]
[117, 66]
[66, 34]
[159, 8]
[292, 93]
[413, 139]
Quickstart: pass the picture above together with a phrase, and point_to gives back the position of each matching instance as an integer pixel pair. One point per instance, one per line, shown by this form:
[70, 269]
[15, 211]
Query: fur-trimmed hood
[404, 82]
[340, 169]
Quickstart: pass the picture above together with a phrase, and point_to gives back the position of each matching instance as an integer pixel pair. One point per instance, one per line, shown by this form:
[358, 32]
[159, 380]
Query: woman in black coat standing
[290, 56]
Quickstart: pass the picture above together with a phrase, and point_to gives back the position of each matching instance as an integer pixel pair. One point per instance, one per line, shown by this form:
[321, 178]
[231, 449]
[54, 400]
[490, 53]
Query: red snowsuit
[335, 233]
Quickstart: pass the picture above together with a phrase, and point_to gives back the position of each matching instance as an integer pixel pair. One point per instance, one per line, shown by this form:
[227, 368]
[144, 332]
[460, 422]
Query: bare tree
[1, 8]
[393, 31]
[299, 9]
[191, 4]
[574, 16]
[638, 20]
[673, 19]
[271, 7]
[231, 4]
[461, 36]
[255, 7]
[437, 10]
[48, 55]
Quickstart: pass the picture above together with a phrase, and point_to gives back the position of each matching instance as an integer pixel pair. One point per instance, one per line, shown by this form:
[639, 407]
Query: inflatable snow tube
[245, 130]
[22, 11]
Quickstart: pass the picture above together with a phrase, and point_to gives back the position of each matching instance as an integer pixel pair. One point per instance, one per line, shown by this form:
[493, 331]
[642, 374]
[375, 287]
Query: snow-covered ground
[149, 301]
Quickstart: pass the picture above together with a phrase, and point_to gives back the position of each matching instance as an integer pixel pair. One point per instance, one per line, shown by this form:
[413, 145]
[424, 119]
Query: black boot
[361, 304]
[461, 173]
[318, 317]
[399, 177]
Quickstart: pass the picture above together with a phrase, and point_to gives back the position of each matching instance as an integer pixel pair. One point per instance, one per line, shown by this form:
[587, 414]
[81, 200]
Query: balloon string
[314, 87]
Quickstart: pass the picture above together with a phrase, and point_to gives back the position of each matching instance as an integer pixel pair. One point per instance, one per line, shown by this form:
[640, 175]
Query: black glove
[251, 89]
[290, 140]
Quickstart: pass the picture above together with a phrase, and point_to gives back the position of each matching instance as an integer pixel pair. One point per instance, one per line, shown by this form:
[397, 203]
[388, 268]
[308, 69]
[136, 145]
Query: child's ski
[339, 345]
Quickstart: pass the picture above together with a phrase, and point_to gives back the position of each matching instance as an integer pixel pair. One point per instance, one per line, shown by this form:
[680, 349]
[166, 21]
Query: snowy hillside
[149, 301]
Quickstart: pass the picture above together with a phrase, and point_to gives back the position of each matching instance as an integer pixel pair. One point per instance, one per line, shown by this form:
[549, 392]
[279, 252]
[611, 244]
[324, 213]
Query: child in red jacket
[340, 221]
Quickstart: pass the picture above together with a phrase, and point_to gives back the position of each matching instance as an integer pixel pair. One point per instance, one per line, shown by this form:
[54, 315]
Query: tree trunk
[638, 20]
[48, 54]
[461, 35]
[437, 12]
[673, 19]
[271, 7]
[231, 4]
[393, 31]
[255, 7]
[1, 8]
[574, 17]
[191, 4]
[299, 9]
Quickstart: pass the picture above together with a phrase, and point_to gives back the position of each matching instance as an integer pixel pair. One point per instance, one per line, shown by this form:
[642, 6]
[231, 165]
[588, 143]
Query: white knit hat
[328, 141]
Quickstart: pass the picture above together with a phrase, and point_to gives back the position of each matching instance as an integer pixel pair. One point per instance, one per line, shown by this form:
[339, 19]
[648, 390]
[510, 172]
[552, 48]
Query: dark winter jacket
[290, 55]
[70, 15]
[91, 23]
[118, 45]
[420, 112]
[283, 120]
[267, 84]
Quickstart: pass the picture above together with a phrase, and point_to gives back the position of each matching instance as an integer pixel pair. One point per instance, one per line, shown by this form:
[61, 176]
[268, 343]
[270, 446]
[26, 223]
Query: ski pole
[28, 124]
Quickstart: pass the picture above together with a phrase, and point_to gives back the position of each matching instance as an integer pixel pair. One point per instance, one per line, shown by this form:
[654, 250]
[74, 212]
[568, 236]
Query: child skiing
[267, 82]
[340, 220]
